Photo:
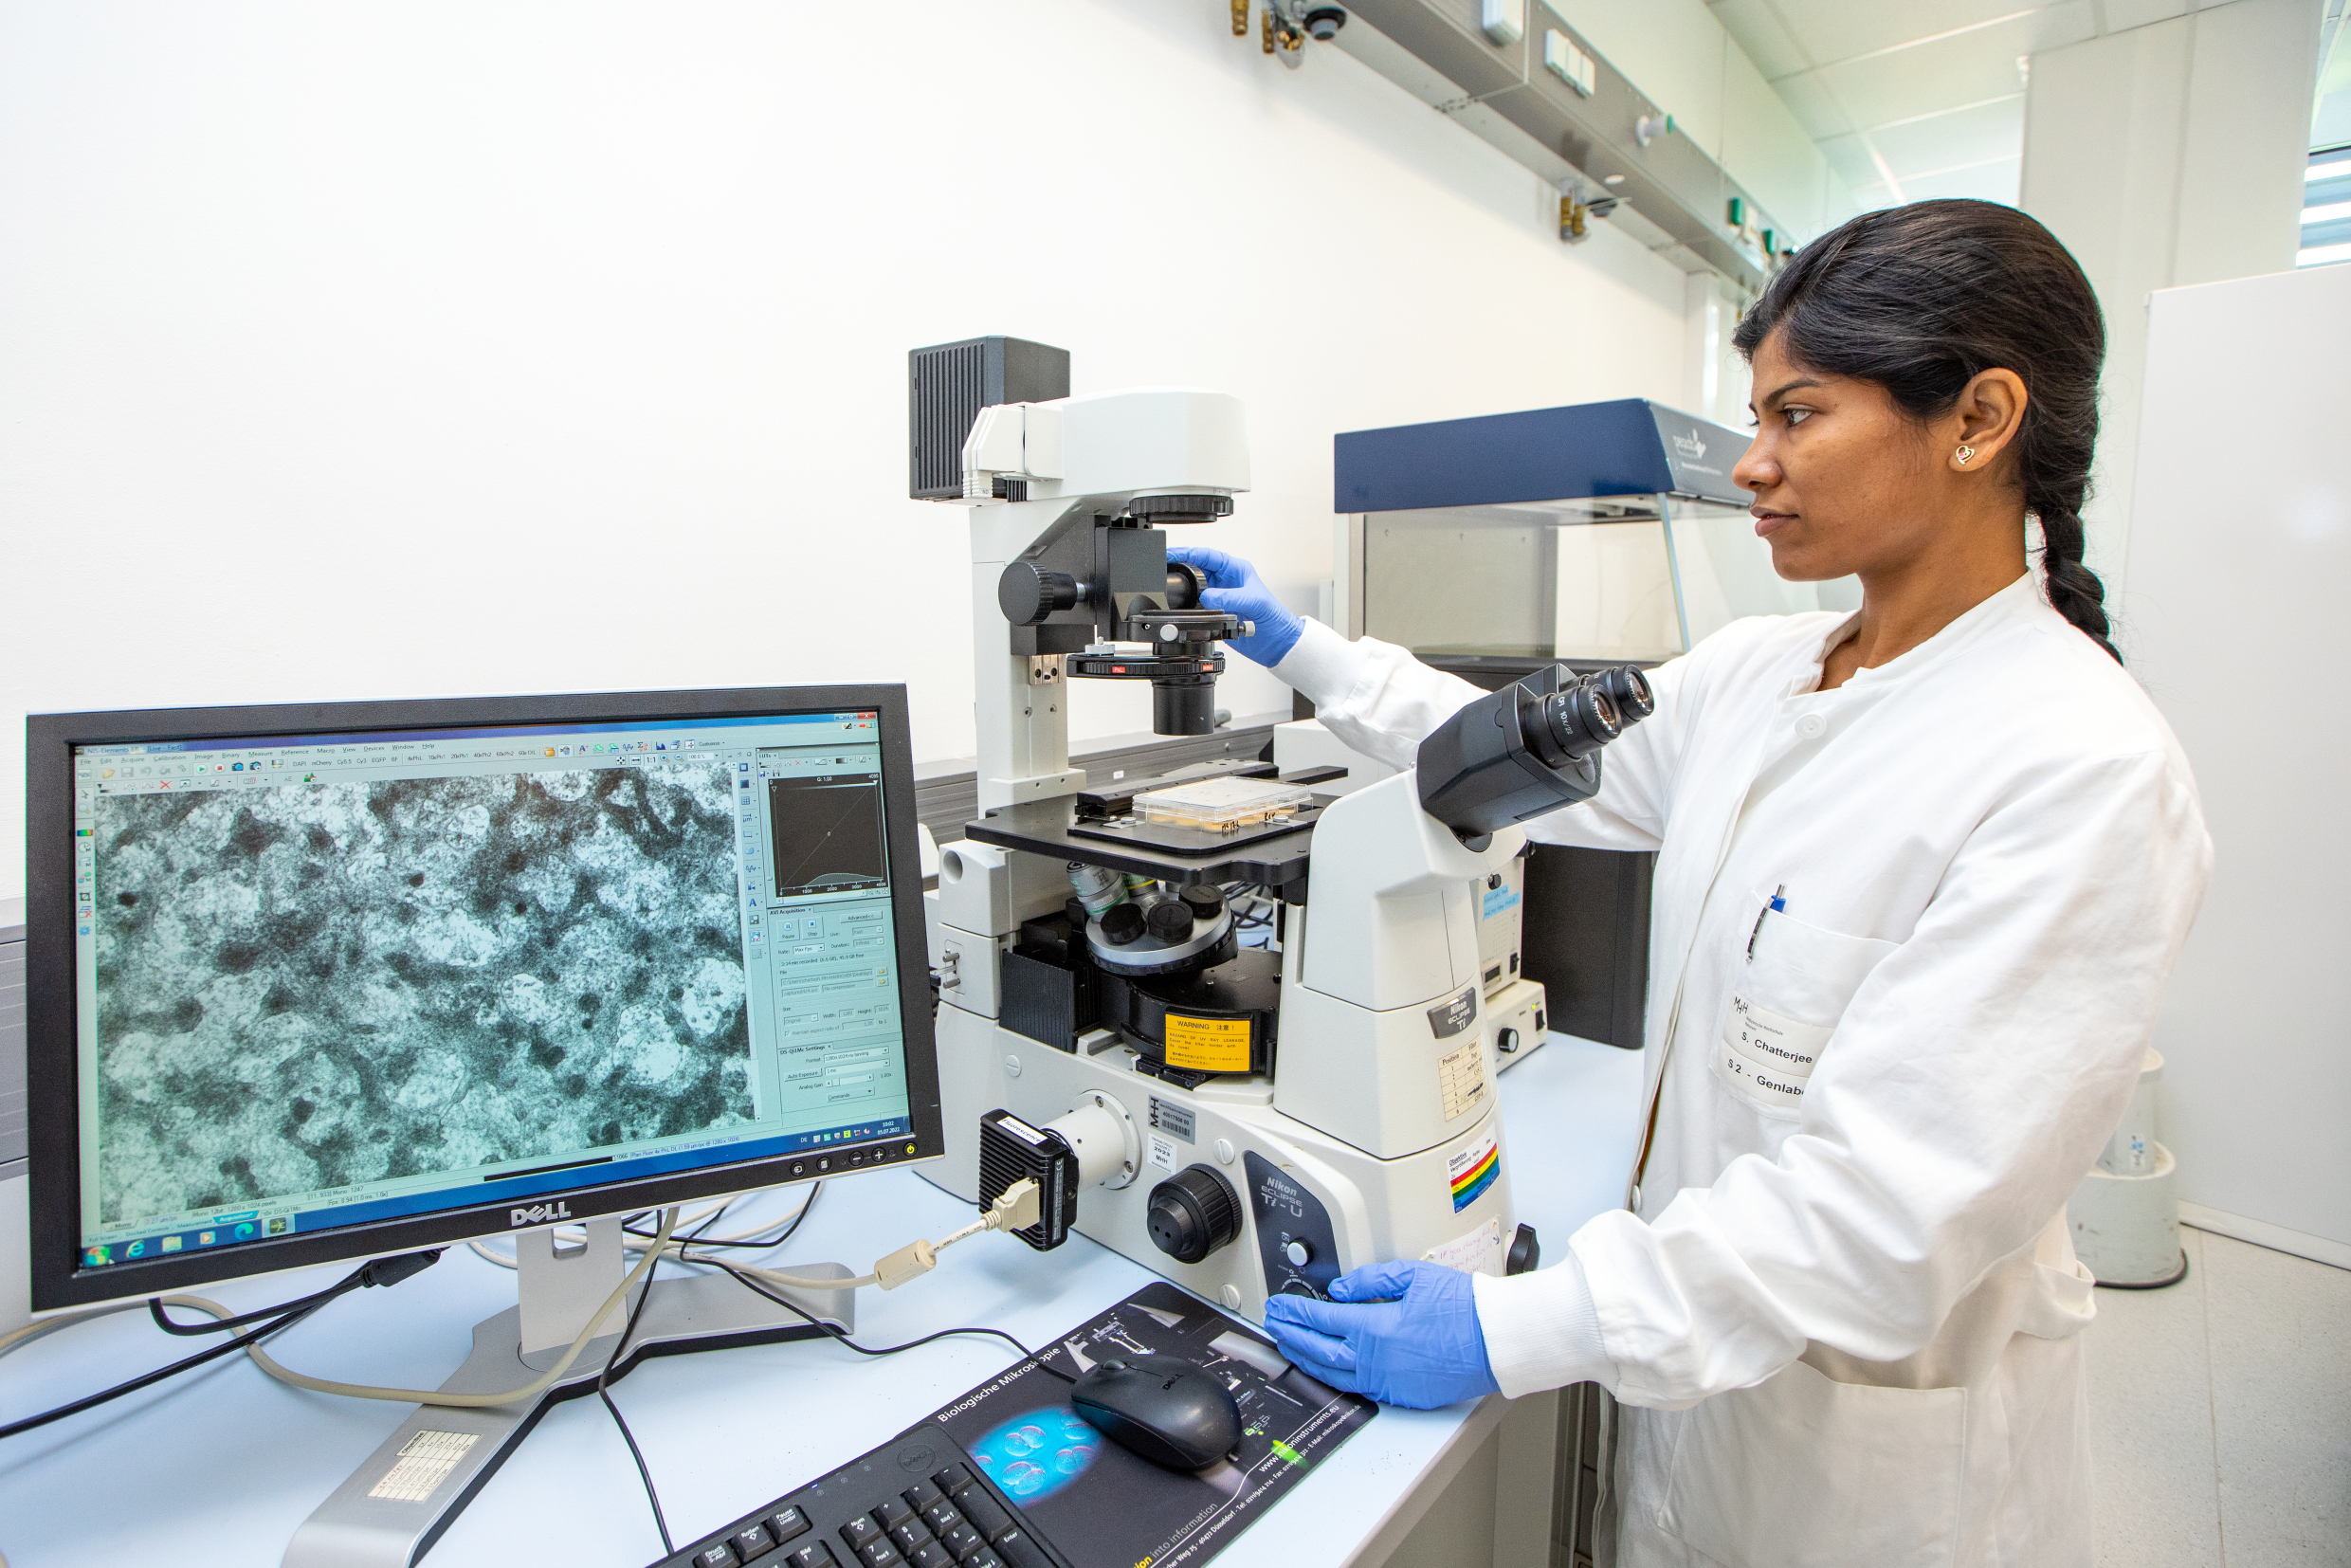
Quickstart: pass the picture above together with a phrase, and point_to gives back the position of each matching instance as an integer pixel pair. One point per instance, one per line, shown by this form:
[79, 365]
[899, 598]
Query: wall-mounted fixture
[1562, 59]
[1575, 217]
[1285, 25]
[1580, 210]
[1322, 22]
[1551, 101]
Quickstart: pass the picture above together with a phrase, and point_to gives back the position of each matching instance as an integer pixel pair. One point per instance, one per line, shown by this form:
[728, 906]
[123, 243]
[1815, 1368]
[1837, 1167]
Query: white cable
[575, 1235]
[1014, 1209]
[477, 1401]
[17, 1338]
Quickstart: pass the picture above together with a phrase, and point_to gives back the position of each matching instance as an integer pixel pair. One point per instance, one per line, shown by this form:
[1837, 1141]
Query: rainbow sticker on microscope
[1035, 1455]
[1473, 1170]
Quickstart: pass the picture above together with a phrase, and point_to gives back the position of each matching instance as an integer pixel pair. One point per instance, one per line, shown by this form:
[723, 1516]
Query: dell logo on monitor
[540, 1213]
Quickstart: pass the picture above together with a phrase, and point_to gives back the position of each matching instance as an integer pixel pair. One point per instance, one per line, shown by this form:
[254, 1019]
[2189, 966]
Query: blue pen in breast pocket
[1776, 903]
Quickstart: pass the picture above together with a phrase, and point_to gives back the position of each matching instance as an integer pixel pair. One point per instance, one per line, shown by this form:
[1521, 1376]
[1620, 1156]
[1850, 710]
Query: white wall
[2169, 154]
[1689, 66]
[376, 349]
[2240, 564]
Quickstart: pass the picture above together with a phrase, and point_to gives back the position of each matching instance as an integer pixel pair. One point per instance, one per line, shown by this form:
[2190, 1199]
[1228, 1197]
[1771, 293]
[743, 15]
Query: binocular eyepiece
[1529, 748]
[1587, 715]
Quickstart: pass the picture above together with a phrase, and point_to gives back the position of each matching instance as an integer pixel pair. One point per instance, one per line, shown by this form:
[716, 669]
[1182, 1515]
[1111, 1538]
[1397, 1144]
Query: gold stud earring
[1966, 452]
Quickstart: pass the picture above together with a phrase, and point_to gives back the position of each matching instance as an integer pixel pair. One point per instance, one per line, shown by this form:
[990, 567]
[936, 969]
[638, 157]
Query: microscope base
[1302, 1194]
[399, 1501]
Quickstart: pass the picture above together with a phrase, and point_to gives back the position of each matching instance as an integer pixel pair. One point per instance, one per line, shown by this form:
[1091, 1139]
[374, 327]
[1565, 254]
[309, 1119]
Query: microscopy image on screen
[828, 834]
[312, 986]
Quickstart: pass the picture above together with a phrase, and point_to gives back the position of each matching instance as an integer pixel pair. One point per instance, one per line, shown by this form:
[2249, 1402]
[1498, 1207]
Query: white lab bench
[216, 1469]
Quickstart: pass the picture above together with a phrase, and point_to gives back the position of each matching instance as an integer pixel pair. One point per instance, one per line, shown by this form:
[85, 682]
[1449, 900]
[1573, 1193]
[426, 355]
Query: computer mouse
[1161, 1408]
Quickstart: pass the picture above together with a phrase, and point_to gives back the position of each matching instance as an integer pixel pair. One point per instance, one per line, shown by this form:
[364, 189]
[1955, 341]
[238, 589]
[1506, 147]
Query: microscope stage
[1272, 853]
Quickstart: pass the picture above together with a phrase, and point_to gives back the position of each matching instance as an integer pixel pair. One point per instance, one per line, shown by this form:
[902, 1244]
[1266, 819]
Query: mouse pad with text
[1104, 1507]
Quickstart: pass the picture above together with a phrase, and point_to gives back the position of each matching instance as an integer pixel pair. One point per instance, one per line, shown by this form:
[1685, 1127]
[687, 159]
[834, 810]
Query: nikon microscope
[1245, 1119]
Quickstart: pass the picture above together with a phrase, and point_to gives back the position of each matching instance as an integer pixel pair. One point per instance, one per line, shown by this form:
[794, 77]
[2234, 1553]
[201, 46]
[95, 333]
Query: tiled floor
[2220, 1413]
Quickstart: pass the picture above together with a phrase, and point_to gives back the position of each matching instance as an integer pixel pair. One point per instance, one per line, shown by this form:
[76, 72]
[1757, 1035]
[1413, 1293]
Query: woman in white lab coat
[1921, 874]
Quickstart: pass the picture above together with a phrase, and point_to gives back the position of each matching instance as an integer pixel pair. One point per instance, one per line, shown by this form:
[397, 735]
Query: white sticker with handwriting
[1765, 1058]
[1477, 1252]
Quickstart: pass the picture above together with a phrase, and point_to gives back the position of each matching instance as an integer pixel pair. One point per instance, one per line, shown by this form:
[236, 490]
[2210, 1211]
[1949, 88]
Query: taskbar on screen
[831, 1152]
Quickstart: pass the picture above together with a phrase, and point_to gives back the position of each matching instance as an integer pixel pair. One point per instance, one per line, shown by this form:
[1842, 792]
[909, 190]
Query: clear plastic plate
[1223, 805]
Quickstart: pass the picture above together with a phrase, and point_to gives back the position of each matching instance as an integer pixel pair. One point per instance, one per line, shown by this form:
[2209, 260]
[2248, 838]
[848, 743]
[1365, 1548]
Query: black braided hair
[1924, 297]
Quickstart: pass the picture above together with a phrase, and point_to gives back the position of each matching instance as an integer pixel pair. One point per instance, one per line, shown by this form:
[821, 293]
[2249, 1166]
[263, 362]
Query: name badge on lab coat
[1766, 1059]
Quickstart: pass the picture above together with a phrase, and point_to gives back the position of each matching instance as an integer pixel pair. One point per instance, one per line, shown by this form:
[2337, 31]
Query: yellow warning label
[1208, 1045]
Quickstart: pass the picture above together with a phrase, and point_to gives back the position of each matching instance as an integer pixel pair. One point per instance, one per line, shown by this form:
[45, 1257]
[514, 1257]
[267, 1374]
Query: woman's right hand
[1233, 586]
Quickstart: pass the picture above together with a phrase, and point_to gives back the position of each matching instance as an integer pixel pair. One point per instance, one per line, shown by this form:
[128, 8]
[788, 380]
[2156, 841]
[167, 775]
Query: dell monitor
[324, 982]
[312, 983]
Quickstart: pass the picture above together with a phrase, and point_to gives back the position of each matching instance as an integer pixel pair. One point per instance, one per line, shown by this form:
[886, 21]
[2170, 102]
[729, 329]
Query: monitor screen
[329, 979]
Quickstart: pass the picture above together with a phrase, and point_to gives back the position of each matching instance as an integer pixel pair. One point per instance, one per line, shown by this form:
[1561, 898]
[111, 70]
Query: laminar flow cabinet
[1596, 534]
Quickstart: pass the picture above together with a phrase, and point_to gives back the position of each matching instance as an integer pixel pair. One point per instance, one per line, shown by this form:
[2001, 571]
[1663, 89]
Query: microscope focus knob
[1192, 1213]
[1028, 596]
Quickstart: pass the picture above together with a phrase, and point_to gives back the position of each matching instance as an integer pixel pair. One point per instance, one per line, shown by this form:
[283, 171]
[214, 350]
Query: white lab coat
[1844, 1294]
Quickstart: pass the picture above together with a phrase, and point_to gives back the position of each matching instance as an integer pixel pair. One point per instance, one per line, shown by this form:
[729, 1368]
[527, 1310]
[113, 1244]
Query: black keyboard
[917, 1501]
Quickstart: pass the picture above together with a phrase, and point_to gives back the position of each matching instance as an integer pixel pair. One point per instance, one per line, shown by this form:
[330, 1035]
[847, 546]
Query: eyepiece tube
[1629, 689]
[1576, 722]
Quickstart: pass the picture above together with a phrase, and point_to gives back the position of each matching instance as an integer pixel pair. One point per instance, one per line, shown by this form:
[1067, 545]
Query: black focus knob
[1121, 923]
[1027, 594]
[1192, 1213]
[1206, 901]
[1170, 919]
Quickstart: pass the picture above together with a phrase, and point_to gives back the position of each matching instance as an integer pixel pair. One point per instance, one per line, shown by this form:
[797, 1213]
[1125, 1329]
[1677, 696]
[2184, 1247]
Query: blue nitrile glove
[1404, 1333]
[1234, 587]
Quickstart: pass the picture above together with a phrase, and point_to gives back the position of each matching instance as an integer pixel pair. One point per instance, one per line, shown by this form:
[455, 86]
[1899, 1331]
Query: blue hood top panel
[1627, 448]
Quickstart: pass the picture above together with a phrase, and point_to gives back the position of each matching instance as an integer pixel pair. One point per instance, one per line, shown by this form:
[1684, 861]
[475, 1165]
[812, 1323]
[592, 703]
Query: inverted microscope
[1245, 1119]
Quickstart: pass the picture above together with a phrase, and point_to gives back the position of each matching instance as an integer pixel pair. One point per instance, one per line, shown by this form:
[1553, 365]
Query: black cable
[604, 1376]
[604, 1392]
[814, 1188]
[377, 1272]
[1236, 891]
[841, 1335]
[226, 1348]
[155, 1310]
[382, 1271]
[708, 1220]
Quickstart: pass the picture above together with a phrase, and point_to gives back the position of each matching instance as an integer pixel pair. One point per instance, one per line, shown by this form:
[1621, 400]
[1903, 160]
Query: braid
[1921, 297]
[2074, 590]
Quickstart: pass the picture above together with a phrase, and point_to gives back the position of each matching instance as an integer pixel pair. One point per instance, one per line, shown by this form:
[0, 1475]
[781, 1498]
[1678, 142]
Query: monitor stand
[397, 1502]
